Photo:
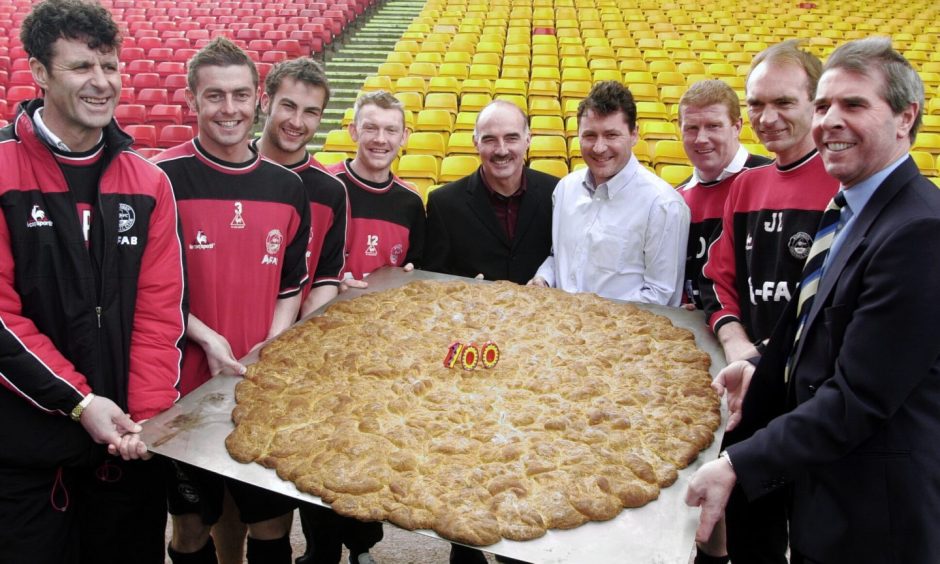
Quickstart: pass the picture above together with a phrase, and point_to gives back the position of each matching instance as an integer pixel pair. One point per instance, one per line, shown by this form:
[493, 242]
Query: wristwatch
[79, 408]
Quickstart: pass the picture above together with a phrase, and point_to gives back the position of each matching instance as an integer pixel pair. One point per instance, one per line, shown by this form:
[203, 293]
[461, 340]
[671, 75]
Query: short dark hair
[303, 69]
[383, 100]
[220, 52]
[873, 56]
[51, 20]
[609, 97]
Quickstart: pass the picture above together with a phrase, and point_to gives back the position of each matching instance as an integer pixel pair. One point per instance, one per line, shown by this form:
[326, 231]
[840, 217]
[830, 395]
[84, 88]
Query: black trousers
[326, 533]
[757, 531]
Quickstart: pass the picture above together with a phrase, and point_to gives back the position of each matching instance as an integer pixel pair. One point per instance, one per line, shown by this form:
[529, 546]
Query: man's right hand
[537, 281]
[107, 423]
[220, 357]
[734, 379]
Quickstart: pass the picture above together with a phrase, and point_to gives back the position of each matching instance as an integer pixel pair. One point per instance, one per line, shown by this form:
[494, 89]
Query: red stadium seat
[166, 68]
[149, 152]
[139, 65]
[174, 82]
[273, 56]
[173, 135]
[152, 96]
[130, 114]
[165, 114]
[144, 135]
[145, 80]
[21, 78]
[127, 95]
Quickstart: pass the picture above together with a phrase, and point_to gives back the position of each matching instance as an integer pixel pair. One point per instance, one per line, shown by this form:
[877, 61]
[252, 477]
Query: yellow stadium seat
[418, 166]
[930, 124]
[933, 106]
[926, 162]
[674, 175]
[487, 59]
[462, 57]
[455, 167]
[546, 125]
[691, 67]
[570, 107]
[446, 84]
[642, 152]
[328, 158]
[747, 134]
[477, 85]
[516, 61]
[670, 78]
[571, 127]
[633, 65]
[441, 121]
[339, 140]
[456, 70]
[465, 121]
[545, 73]
[638, 77]
[441, 101]
[544, 106]
[484, 71]
[574, 145]
[433, 58]
[392, 70]
[411, 84]
[574, 90]
[426, 143]
[603, 64]
[518, 73]
[720, 70]
[402, 57]
[555, 167]
[512, 86]
[576, 73]
[550, 61]
[461, 143]
[650, 111]
[662, 66]
[657, 129]
[548, 88]
[427, 70]
[413, 101]
[548, 147]
[929, 142]
[348, 116]
[668, 153]
[671, 94]
[568, 62]
[374, 83]
[606, 74]
[643, 92]
[407, 46]
[474, 101]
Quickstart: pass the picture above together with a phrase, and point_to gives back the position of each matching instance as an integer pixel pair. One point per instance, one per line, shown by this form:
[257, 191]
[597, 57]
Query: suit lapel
[857, 238]
[479, 203]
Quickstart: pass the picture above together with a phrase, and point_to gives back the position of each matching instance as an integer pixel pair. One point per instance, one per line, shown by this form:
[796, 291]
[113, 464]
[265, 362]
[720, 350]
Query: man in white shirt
[618, 230]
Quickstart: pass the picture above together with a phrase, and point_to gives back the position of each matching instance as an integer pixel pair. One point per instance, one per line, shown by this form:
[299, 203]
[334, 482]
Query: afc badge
[799, 245]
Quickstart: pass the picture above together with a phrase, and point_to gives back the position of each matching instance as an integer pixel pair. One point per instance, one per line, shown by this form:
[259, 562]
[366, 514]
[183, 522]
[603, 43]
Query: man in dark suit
[844, 406]
[496, 222]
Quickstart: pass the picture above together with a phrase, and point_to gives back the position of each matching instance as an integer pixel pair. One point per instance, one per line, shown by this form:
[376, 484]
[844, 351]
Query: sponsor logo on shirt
[395, 254]
[201, 242]
[238, 222]
[272, 244]
[372, 243]
[38, 218]
[748, 243]
[126, 218]
[799, 245]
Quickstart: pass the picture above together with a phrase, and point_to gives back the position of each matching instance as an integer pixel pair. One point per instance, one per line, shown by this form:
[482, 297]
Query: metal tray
[194, 431]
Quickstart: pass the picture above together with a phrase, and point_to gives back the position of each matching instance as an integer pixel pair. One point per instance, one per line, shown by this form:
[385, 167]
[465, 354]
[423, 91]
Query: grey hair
[902, 85]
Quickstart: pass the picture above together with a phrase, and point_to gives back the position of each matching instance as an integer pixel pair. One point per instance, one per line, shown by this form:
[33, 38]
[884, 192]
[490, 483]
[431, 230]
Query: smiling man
[246, 222]
[842, 408]
[754, 265]
[497, 222]
[91, 307]
[295, 95]
[710, 121]
[386, 218]
[618, 230]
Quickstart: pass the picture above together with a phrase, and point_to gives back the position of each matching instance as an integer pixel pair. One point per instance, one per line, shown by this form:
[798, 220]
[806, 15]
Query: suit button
[812, 389]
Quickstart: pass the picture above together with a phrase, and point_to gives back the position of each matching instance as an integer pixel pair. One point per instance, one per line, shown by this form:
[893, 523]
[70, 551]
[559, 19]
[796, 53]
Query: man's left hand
[709, 489]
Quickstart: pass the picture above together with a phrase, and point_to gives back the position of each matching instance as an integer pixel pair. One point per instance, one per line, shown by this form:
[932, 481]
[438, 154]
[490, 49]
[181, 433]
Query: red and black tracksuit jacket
[107, 318]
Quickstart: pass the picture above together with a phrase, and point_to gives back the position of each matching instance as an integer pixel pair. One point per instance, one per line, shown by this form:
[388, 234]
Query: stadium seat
[426, 70]
[443, 84]
[674, 175]
[474, 102]
[172, 135]
[418, 166]
[644, 92]
[926, 162]
[150, 97]
[668, 153]
[165, 114]
[413, 101]
[339, 140]
[130, 114]
[144, 135]
[392, 70]
[555, 167]
[546, 125]
[929, 142]
[411, 84]
[426, 143]
[477, 85]
[465, 121]
[461, 143]
[446, 101]
[657, 129]
[455, 167]
[548, 147]
[328, 158]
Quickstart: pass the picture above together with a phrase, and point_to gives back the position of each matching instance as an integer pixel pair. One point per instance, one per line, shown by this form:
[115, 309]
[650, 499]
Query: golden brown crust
[593, 407]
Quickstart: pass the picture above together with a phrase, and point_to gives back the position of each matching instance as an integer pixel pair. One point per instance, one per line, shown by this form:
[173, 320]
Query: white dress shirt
[625, 239]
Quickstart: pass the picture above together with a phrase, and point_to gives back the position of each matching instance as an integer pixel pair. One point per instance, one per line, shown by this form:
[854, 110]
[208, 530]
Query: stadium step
[359, 55]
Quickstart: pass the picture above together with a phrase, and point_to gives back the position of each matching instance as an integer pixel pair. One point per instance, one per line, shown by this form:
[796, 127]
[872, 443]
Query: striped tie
[812, 270]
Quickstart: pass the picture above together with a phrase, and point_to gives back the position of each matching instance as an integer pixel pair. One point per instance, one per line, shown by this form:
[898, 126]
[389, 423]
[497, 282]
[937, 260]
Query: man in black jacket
[497, 222]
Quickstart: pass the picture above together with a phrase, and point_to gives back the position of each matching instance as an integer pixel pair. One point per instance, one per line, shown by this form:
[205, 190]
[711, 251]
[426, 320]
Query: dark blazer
[858, 432]
[464, 237]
